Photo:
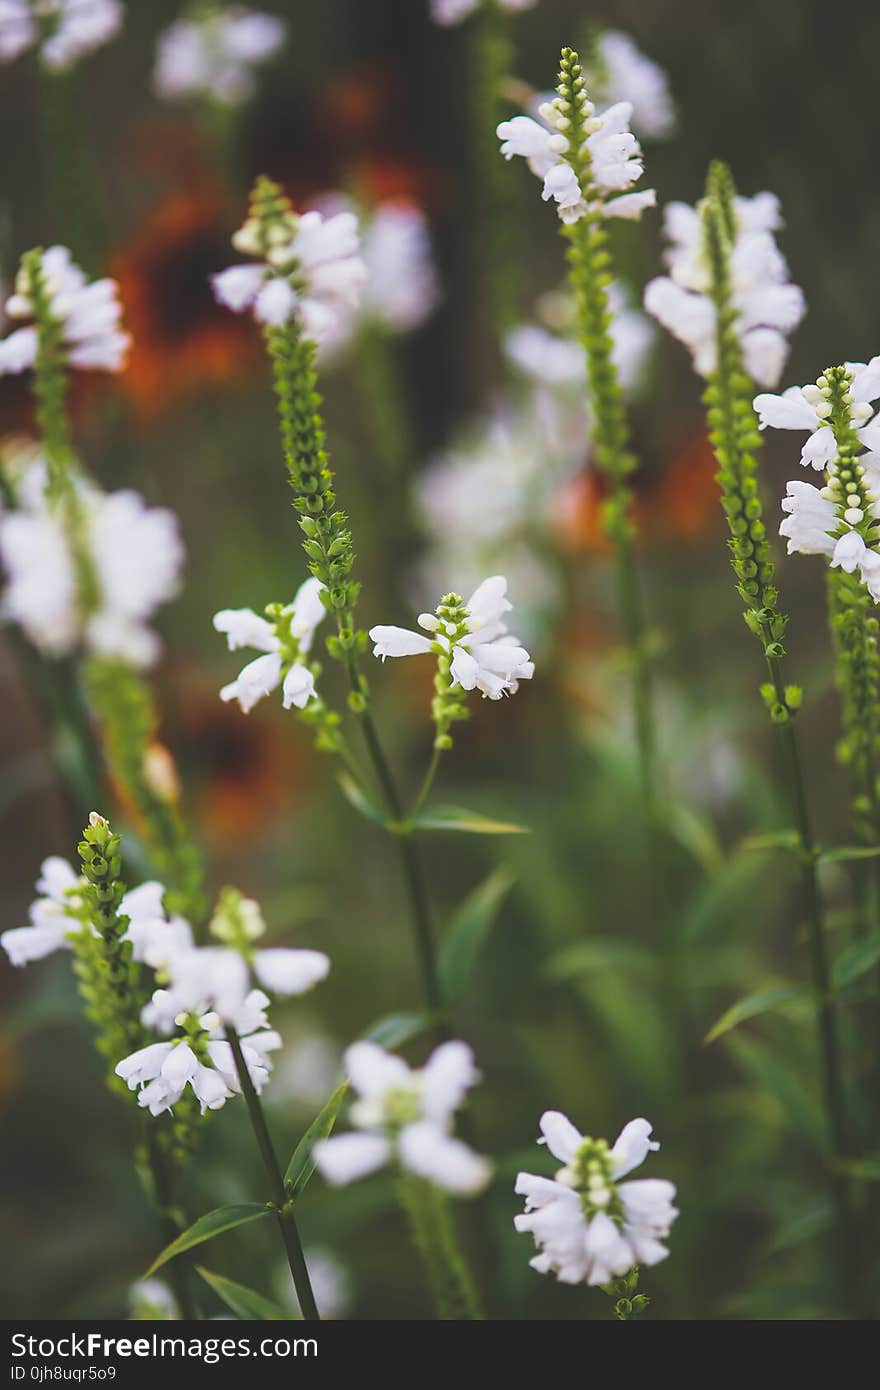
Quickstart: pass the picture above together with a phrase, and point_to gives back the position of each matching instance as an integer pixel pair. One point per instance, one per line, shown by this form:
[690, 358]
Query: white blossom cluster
[625, 73]
[768, 307]
[88, 315]
[134, 553]
[839, 519]
[589, 1226]
[448, 12]
[215, 54]
[63, 30]
[281, 664]
[405, 1117]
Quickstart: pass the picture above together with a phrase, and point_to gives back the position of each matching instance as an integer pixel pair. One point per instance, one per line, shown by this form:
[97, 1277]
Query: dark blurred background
[593, 996]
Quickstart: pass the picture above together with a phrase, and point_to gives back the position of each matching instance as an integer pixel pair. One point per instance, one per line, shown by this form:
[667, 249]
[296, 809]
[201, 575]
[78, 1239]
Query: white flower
[69, 28]
[152, 1301]
[155, 937]
[214, 56]
[217, 979]
[612, 151]
[768, 308]
[320, 253]
[401, 286]
[806, 408]
[484, 655]
[281, 664]
[135, 554]
[406, 1116]
[53, 914]
[200, 1060]
[590, 1227]
[454, 11]
[559, 361]
[627, 74]
[89, 316]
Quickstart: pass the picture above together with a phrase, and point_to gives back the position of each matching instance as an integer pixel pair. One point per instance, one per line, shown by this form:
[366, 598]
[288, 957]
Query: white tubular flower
[405, 1116]
[590, 1227]
[88, 315]
[483, 655]
[215, 55]
[840, 519]
[768, 307]
[449, 12]
[309, 269]
[155, 937]
[135, 553]
[558, 361]
[53, 915]
[401, 285]
[610, 151]
[627, 74]
[286, 641]
[69, 29]
[152, 1301]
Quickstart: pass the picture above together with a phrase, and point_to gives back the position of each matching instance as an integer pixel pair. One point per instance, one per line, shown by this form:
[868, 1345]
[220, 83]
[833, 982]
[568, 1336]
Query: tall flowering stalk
[720, 325]
[583, 158]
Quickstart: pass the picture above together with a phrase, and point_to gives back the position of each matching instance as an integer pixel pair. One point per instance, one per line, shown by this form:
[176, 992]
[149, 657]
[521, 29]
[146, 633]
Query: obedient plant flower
[286, 639]
[132, 553]
[308, 266]
[405, 1117]
[474, 650]
[556, 358]
[86, 317]
[622, 72]
[768, 307]
[592, 177]
[840, 519]
[213, 54]
[590, 1227]
[64, 30]
[150, 1300]
[218, 978]
[449, 12]
[54, 914]
[155, 936]
[200, 1058]
[401, 285]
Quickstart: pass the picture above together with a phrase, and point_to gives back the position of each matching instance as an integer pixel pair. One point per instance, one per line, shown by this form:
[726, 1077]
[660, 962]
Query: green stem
[495, 196]
[428, 781]
[433, 1233]
[283, 1203]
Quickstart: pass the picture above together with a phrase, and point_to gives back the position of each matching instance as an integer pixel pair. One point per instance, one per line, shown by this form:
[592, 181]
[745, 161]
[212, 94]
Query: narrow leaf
[774, 839]
[862, 1169]
[357, 797]
[395, 1029]
[842, 853]
[244, 1302]
[787, 1086]
[469, 930]
[856, 961]
[214, 1223]
[301, 1166]
[595, 955]
[468, 822]
[767, 1001]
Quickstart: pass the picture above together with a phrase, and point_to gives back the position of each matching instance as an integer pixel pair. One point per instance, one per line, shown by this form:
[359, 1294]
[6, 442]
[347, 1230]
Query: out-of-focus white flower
[590, 1227]
[135, 554]
[311, 271]
[307, 1071]
[406, 1116]
[485, 656]
[154, 936]
[400, 288]
[88, 315]
[611, 151]
[627, 74]
[152, 1301]
[449, 12]
[69, 29]
[558, 360]
[768, 308]
[214, 55]
[284, 641]
[53, 914]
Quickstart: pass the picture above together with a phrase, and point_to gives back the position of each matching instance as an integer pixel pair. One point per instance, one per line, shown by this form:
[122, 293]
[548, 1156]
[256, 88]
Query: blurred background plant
[594, 992]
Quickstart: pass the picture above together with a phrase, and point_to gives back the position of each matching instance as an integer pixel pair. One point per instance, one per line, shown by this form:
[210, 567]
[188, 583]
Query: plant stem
[433, 1233]
[283, 1203]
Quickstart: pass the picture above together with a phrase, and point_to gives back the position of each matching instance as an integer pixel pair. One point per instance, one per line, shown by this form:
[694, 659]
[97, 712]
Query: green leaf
[774, 839]
[765, 1067]
[862, 1169]
[395, 1029]
[468, 931]
[767, 1001]
[244, 1302]
[302, 1166]
[357, 797]
[468, 822]
[214, 1223]
[806, 1225]
[597, 954]
[856, 961]
[694, 834]
[841, 854]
